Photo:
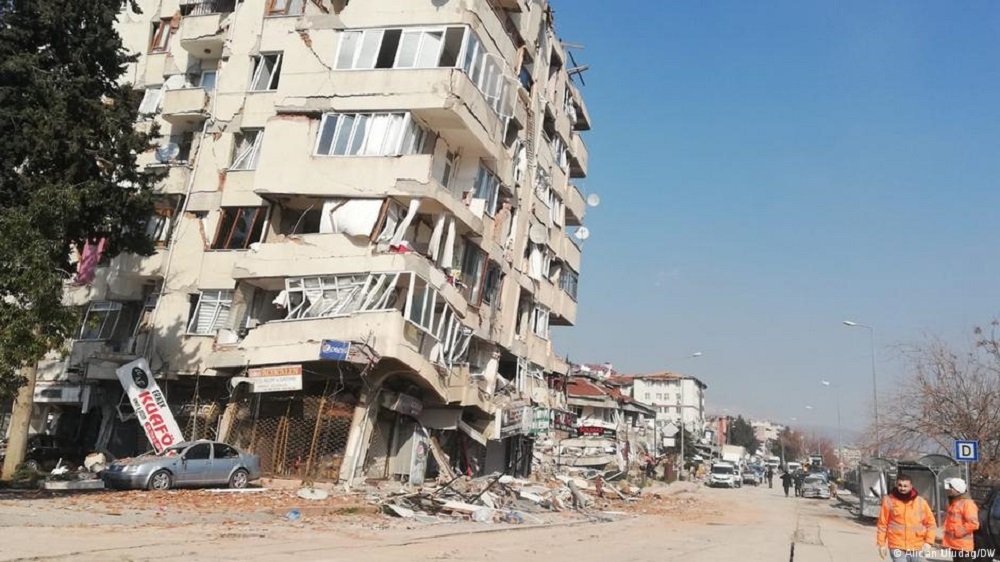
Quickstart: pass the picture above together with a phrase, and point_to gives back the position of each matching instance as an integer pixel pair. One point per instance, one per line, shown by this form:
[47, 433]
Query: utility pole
[20, 422]
[680, 408]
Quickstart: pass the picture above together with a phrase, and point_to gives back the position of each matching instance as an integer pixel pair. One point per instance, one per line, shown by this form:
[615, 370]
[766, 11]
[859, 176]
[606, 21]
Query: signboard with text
[282, 378]
[335, 350]
[595, 431]
[150, 405]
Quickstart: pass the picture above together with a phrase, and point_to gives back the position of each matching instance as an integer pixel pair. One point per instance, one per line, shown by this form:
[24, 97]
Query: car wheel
[33, 465]
[160, 480]
[239, 479]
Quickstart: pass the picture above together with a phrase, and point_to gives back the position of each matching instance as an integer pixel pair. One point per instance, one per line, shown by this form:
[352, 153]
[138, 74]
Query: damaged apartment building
[367, 228]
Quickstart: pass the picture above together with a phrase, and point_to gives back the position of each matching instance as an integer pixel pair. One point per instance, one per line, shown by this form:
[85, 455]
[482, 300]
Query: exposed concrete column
[358, 440]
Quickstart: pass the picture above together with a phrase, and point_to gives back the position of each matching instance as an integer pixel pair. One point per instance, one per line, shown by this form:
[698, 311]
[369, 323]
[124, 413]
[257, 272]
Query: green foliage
[68, 169]
[741, 433]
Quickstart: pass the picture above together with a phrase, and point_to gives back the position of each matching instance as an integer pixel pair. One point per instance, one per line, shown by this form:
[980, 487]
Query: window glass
[201, 451]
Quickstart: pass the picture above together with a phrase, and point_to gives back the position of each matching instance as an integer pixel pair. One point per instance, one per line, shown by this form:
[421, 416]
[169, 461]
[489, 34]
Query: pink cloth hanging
[89, 259]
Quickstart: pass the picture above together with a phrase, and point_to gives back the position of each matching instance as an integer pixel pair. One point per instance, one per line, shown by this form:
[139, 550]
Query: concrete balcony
[186, 106]
[201, 30]
[173, 178]
[566, 250]
[142, 267]
[578, 157]
[154, 69]
[443, 98]
[576, 205]
[582, 114]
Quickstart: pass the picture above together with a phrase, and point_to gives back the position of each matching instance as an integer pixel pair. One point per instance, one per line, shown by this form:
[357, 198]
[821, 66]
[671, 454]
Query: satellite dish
[593, 200]
[582, 233]
[538, 234]
[166, 153]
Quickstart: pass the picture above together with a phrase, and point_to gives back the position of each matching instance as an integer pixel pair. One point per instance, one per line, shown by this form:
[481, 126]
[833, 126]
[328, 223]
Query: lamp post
[680, 410]
[871, 331]
[840, 443]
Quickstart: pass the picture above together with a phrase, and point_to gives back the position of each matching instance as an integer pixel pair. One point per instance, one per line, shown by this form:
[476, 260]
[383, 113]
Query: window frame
[364, 36]
[257, 72]
[487, 179]
[216, 297]
[160, 42]
[247, 160]
[537, 313]
[271, 12]
[112, 309]
[257, 225]
[406, 134]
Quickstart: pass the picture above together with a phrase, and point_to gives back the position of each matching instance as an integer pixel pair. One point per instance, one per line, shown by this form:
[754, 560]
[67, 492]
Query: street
[748, 524]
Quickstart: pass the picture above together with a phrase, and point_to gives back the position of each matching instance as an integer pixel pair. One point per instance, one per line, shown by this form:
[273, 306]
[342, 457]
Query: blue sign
[967, 451]
[335, 350]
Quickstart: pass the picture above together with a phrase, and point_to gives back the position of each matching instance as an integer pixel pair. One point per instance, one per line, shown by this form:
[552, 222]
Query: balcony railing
[208, 7]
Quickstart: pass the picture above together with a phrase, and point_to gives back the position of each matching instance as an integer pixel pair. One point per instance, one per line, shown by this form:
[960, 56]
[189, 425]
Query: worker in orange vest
[906, 525]
[961, 519]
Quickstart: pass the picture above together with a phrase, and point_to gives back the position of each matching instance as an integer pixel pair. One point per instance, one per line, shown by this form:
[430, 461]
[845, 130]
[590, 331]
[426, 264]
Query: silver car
[194, 463]
[815, 485]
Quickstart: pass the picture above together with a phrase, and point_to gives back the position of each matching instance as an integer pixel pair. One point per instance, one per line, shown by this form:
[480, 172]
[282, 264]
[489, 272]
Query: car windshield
[722, 470]
[815, 479]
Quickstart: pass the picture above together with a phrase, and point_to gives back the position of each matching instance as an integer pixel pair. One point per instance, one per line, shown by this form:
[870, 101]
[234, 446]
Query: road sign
[967, 451]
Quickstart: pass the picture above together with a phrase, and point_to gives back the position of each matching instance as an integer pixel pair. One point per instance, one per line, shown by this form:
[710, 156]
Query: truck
[734, 454]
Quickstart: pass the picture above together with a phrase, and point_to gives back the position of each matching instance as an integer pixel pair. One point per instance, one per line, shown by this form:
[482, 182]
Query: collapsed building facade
[365, 230]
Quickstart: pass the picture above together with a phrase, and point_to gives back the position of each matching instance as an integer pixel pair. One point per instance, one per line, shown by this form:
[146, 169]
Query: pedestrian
[786, 481]
[798, 477]
[770, 477]
[961, 520]
[906, 524]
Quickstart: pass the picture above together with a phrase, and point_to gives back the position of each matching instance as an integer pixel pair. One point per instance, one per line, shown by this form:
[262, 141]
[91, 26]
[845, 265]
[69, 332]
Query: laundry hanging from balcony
[353, 217]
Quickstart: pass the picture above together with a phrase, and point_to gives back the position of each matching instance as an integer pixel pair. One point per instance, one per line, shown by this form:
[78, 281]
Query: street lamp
[840, 443]
[680, 410]
[871, 331]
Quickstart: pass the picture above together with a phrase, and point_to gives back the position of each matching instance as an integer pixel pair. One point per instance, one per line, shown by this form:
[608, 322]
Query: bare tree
[948, 395]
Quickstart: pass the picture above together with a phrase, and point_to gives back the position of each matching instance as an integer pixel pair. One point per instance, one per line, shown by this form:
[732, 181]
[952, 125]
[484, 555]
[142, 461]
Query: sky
[769, 169]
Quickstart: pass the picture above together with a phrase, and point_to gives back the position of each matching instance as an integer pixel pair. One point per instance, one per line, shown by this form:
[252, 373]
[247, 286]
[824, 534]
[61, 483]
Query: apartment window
[151, 99]
[266, 71]
[659, 396]
[400, 48]
[559, 151]
[162, 32]
[210, 311]
[473, 262]
[320, 297]
[539, 261]
[369, 134]
[487, 188]
[239, 227]
[569, 281]
[246, 149]
[647, 396]
[486, 72]
[450, 169]
[557, 210]
[540, 321]
[159, 226]
[100, 321]
[285, 7]
[492, 283]
[206, 80]
[422, 308]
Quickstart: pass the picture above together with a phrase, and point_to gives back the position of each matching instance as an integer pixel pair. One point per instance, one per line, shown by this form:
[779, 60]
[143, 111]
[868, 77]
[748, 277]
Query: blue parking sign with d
[967, 451]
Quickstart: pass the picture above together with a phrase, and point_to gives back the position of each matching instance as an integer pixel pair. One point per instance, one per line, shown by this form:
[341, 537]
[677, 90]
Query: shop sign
[282, 378]
[563, 421]
[334, 350]
[515, 421]
[150, 405]
[595, 431]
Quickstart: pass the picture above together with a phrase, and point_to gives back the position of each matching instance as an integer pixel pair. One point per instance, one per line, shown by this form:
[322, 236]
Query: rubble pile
[505, 499]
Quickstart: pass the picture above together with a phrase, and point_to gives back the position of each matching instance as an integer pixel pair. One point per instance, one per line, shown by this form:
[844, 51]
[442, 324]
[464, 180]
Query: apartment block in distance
[365, 230]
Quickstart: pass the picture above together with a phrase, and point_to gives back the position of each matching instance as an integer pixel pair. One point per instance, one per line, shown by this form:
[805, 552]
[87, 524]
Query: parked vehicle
[44, 452]
[816, 485]
[724, 474]
[792, 466]
[752, 476]
[197, 463]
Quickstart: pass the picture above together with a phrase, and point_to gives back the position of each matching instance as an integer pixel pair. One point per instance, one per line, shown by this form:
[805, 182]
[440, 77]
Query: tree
[68, 174]
[790, 445]
[68, 171]
[741, 433]
[949, 395]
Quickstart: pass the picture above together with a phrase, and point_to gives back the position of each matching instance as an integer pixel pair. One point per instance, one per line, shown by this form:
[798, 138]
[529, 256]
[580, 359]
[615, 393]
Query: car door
[224, 460]
[196, 465]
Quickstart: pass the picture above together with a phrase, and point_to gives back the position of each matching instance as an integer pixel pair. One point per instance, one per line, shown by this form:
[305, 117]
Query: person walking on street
[770, 477]
[906, 524]
[960, 521]
[798, 477]
[786, 481]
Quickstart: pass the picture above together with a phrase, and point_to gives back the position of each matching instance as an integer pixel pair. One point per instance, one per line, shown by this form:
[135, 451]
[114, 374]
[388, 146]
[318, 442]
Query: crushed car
[187, 464]
[816, 485]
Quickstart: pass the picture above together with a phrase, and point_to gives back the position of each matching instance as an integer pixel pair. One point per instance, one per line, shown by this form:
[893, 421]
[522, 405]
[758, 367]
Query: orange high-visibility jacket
[905, 525]
[961, 520]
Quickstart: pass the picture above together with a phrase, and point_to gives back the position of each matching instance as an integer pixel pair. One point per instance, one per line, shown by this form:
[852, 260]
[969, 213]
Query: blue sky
[769, 169]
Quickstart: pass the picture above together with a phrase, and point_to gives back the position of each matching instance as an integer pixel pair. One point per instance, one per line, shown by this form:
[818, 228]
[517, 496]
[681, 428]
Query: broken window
[568, 281]
[240, 227]
[540, 321]
[160, 224]
[320, 297]
[473, 264]
[369, 134]
[492, 284]
[486, 71]
[422, 306]
[246, 149]
[539, 261]
[162, 32]
[100, 321]
[400, 48]
[266, 71]
[210, 311]
[285, 7]
[450, 169]
[557, 210]
[487, 188]
[207, 7]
